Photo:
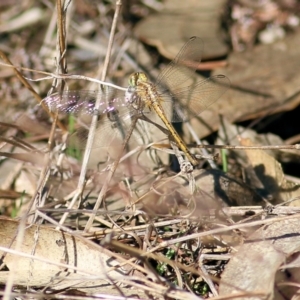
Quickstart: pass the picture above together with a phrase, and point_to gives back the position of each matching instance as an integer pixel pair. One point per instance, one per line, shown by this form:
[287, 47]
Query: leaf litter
[154, 234]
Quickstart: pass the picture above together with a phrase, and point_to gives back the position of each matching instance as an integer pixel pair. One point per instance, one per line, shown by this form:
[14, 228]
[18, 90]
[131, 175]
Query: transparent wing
[83, 101]
[190, 101]
[114, 115]
[183, 97]
[180, 69]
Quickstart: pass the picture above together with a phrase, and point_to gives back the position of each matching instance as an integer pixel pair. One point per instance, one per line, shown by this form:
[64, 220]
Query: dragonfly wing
[114, 115]
[110, 128]
[190, 101]
[181, 69]
[83, 101]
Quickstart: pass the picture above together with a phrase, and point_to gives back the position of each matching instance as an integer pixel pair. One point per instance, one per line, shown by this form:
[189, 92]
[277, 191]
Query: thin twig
[91, 135]
[268, 147]
[61, 33]
[59, 76]
[108, 178]
[222, 230]
[29, 87]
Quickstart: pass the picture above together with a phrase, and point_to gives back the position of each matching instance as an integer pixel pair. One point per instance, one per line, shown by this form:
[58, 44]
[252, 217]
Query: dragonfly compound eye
[132, 81]
[141, 77]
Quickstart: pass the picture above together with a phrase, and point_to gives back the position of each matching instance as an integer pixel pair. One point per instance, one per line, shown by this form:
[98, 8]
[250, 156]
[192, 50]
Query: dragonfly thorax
[138, 89]
[137, 78]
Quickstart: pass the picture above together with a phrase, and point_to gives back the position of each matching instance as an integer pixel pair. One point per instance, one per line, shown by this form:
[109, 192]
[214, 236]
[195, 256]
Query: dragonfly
[176, 96]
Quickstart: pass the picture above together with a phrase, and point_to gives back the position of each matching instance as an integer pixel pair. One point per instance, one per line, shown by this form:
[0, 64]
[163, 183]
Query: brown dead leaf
[269, 171]
[264, 80]
[178, 21]
[31, 125]
[252, 269]
[269, 73]
[88, 263]
[59, 260]
[225, 189]
[34, 158]
[216, 189]
[10, 194]
[230, 134]
[270, 70]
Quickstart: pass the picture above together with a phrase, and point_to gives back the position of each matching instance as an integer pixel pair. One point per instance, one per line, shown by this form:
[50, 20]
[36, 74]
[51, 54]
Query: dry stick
[61, 38]
[61, 68]
[61, 47]
[70, 76]
[45, 173]
[92, 130]
[39, 100]
[157, 187]
[59, 76]
[269, 147]
[230, 147]
[199, 143]
[86, 241]
[109, 177]
[211, 232]
[29, 87]
[61, 9]
[222, 230]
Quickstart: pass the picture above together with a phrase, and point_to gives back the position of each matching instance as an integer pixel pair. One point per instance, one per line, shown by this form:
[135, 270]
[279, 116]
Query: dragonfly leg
[164, 130]
[185, 166]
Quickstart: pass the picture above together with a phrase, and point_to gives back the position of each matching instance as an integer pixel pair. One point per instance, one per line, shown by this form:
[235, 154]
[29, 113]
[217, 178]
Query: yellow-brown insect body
[151, 98]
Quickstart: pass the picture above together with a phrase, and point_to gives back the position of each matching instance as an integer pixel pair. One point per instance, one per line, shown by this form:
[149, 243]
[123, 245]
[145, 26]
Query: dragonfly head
[136, 78]
[135, 81]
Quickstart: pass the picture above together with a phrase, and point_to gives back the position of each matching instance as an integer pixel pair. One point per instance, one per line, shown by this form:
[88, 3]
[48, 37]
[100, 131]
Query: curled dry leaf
[262, 168]
[232, 134]
[269, 172]
[251, 271]
[88, 263]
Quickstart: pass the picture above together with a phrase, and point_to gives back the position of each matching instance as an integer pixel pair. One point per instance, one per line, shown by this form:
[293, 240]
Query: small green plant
[201, 288]
[16, 208]
[73, 149]
[224, 160]
[162, 267]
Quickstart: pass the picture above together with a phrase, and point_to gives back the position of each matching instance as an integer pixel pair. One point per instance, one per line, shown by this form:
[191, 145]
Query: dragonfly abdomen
[153, 100]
